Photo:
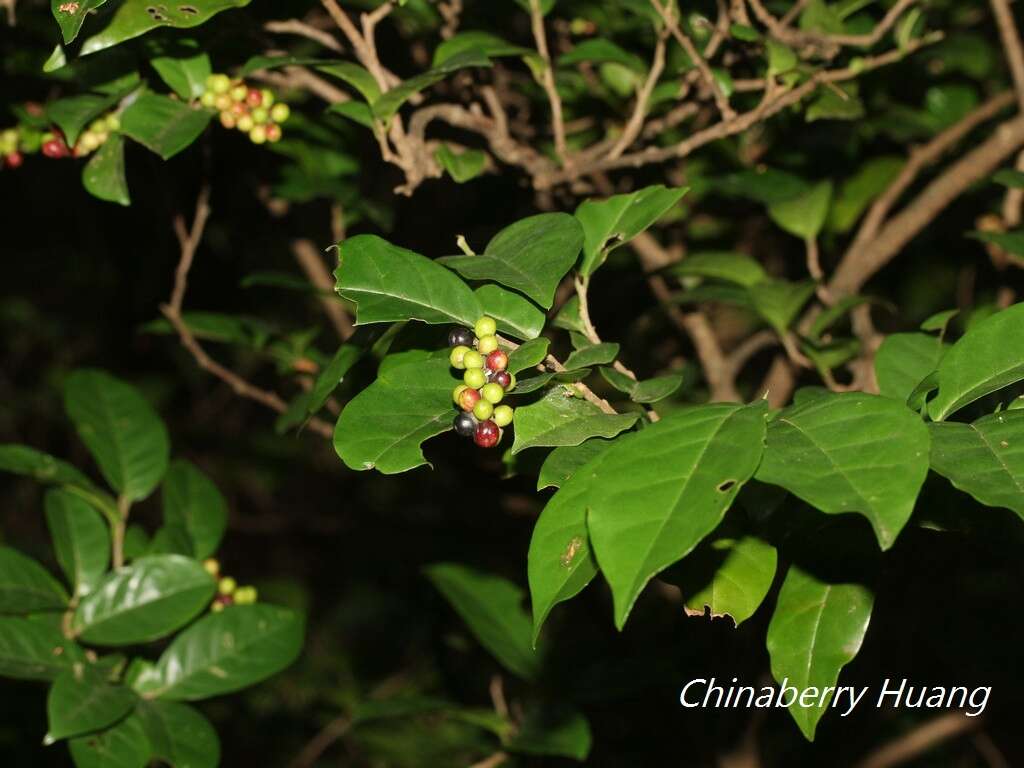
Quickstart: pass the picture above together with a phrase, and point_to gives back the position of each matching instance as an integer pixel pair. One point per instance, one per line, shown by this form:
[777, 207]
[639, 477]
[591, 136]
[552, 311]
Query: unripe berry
[457, 357]
[220, 83]
[492, 393]
[483, 409]
[223, 102]
[216, 606]
[280, 112]
[485, 326]
[273, 132]
[266, 98]
[497, 360]
[457, 393]
[503, 379]
[502, 415]
[259, 115]
[238, 109]
[245, 595]
[468, 399]
[239, 92]
[254, 98]
[244, 124]
[487, 434]
[212, 566]
[487, 344]
[464, 425]
[460, 337]
[89, 141]
[227, 120]
[474, 377]
[226, 585]
[258, 134]
[113, 122]
[473, 359]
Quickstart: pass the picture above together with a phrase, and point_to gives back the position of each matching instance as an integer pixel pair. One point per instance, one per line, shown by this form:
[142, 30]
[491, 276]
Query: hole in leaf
[189, 9]
[571, 550]
[725, 485]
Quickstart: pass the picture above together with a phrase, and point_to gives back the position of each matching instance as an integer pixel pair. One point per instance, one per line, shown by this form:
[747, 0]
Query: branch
[302, 29]
[643, 95]
[312, 264]
[329, 734]
[1011, 46]
[919, 740]
[548, 82]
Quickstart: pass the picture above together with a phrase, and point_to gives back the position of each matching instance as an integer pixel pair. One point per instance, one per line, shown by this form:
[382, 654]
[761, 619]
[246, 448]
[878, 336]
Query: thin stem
[548, 81]
[117, 531]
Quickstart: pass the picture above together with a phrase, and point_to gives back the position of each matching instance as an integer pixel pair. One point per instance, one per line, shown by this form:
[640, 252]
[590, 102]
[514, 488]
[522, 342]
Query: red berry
[14, 160]
[502, 379]
[497, 360]
[487, 434]
[468, 399]
[254, 98]
[238, 109]
[55, 148]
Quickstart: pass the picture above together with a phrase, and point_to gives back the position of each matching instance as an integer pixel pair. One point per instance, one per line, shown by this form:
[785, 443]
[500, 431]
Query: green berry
[279, 112]
[475, 378]
[208, 99]
[492, 393]
[113, 122]
[226, 585]
[267, 98]
[487, 344]
[259, 115]
[220, 84]
[485, 326]
[258, 134]
[212, 566]
[473, 359]
[457, 392]
[239, 92]
[483, 410]
[502, 415]
[456, 358]
[244, 124]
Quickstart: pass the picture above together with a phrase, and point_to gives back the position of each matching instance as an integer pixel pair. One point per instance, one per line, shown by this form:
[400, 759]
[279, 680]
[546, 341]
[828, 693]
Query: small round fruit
[273, 132]
[492, 393]
[259, 115]
[279, 112]
[487, 344]
[502, 415]
[511, 382]
[244, 124]
[483, 409]
[464, 425]
[54, 148]
[460, 337]
[227, 120]
[474, 377]
[258, 134]
[216, 606]
[457, 356]
[254, 98]
[226, 585]
[497, 360]
[212, 566]
[473, 359]
[238, 93]
[208, 99]
[89, 141]
[220, 83]
[245, 595]
[113, 122]
[485, 326]
[14, 160]
[468, 399]
[487, 434]
[266, 98]
[503, 379]
[223, 102]
[457, 393]
[238, 109]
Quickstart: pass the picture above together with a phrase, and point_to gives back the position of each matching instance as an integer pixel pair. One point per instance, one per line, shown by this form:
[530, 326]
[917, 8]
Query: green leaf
[1009, 177]
[122, 746]
[818, 16]
[836, 103]
[103, 176]
[804, 215]
[904, 360]
[389, 102]
[461, 166]
[331, 376]
[514, 315]
[612, 222]
[530, 256]
[561, 419]
[527, 355]
[1008, 241]
[23, 460]
[829, 316]
[355, 111]
[552, 731]
[73, 113]
[781, 58]
[137, 17]
[728, 576]
[383, 426]
[744, 33]
[765, 185]
[57, 59]
[735, 268]
[595, 354]
[82, 701]
[560, 562]
[186, 75]
[601, 51]
[144, 601]
[779, 301]
[163, 125]
[80, 539]
[33, 650]
[171, 540]
[857, 192]
[660, 491]
[817, 628]
[490, 45]
[71, 16]
[120, 429]
[259, 62]
[192, 501]
[563, 462]
[388, 283]
[356, 76]
[984, 459]
[658, 388]
[27, 587]
[179, 735]
[987, 358]
[492, 608]
[939, 321]
[850, 452]
[228, 651]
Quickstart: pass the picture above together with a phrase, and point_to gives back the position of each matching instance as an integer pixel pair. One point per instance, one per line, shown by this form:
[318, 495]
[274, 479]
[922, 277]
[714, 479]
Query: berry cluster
[11, 148]
[485, 383]
[16, 142]
[250, 110]
[228, 591]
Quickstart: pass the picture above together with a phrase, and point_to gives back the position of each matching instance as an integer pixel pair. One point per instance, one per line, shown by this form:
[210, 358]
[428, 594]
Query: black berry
[460, 337]
[465, 425]
[502, 379]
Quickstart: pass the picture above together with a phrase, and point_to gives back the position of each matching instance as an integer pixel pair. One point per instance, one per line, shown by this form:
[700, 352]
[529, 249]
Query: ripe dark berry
[487, 434]
[502, 378]
[497, 360]
[460, 337]
[464, 425]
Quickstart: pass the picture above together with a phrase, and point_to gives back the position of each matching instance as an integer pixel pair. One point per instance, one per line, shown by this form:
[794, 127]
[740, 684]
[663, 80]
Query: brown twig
[920, 740]
[312, 263]
[1012, 48]
[319, 744]
[548, 81]
[643, 95]
[493, 761]
[302, 29]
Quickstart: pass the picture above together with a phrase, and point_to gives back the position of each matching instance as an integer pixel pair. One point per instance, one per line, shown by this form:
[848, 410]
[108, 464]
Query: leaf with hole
[137, 17]
[71, 16]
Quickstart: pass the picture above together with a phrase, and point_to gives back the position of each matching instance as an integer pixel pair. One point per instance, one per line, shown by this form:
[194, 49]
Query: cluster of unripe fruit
[16, 142]
[485, 383]
[228, 591]
[253, 111]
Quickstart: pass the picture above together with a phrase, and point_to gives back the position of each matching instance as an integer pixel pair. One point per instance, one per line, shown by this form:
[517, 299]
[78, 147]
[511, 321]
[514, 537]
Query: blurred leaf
[818, 16]
[103, 176]
[939, 321]
[804, 216]
[161, 124]
[904, 360]
[331, 376]
[27, 587]
[1009, 177]
[81, 701]
[137, 17]
[23, 460]
[32, 650]
[80, 540]
[559, 418]
[833, 314]
[462, 166]
[123, 745]
[781, 58]
[721, 265]
[192, 501]
[859, 190]
[356, 76]
[552, 731]
[779, 301]
[71, 16]
[765, 185]
[179, 735]
[1008, 241]
[599, 51]
[490, 45]
[385, 107]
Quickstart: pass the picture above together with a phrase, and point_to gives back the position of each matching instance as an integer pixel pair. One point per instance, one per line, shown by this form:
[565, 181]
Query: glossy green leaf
[804, 216]
[33, 650]
[71, 16]
[463, 165]
[527, 355]
[600, 51]
[530, 256]
[73, 113]
[850, 452]
[385, 107]
[23, 460]
[779, 301]
[120, 429]
[660, 491]
[817, 628]
[904, 360]
[612, 222]
[80, 539]
[81, 701]
[388, 283]
[563, 462]
[984, 459]
[123, 745]
[552, 731]
[137, 17]
[559, 418]
[383, 426]
[987, 358]
[331, 376]
[144, 601]
[185, 74]
[179, 734]
[722, 265]
[27, 587]
[492, 608]
[163, 125]
[103, 176]
[515, 315]
[227, 651]
[939, 321]
[490, 45]
[595, 354]
[192, 501]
